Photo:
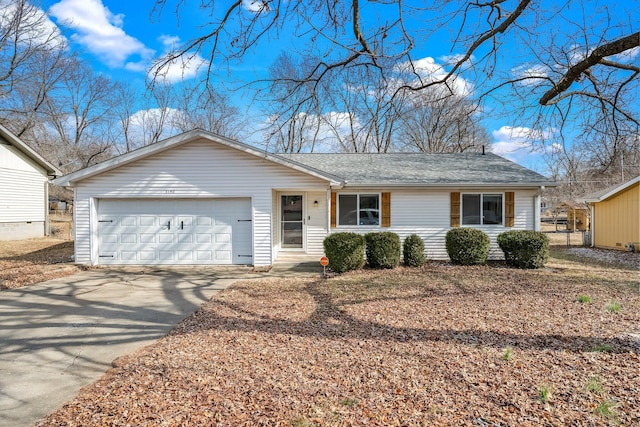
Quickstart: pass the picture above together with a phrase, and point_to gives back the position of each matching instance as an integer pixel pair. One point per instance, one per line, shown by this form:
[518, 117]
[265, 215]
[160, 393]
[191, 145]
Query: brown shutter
[455, 209]
[333, 209]
[509, 207]
[386, 210]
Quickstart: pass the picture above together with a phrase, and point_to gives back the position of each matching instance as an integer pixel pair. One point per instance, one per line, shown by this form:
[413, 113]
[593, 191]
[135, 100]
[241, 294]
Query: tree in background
[574, 69]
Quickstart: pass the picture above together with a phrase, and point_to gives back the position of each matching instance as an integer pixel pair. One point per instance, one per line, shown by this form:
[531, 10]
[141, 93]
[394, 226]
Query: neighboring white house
[24, 177]
[199, 198]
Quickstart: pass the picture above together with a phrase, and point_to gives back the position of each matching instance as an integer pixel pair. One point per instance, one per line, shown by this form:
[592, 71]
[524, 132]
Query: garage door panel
[147, 238]
[165, 238]
[175, 231]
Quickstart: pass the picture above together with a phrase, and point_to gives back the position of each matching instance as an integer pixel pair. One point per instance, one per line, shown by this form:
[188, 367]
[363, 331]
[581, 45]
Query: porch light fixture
[315, 203]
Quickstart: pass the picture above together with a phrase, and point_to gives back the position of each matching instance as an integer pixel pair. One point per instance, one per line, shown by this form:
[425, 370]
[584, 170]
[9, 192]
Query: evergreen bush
[345, 251]
[383, 249]
[413, 251]
[524, 248]
[467, 246]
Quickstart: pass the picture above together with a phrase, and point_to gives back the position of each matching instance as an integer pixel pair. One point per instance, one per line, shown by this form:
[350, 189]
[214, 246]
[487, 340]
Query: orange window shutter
[333, 209]
[455, 209]
[386, 210]
[509, 206]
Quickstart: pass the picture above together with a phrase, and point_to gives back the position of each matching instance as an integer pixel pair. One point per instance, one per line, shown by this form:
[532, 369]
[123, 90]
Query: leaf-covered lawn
[25, 262]
[440, 345]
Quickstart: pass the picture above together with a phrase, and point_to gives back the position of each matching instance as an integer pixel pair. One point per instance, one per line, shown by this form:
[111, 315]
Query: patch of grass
[613, 307]
[508, 352]
[544, 394]
[606, 409]
[349, 402]
[603, 348]
[584, 299]
[301, 422]
[595, 386]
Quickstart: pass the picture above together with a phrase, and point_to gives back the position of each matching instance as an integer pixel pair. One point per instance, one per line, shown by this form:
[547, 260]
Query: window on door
[292, 222]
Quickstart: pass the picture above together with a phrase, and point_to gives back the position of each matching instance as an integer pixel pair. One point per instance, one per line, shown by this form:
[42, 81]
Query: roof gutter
[540, 186]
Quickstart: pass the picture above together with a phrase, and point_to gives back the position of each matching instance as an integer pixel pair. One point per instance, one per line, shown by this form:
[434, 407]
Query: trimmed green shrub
[345, 251]
[413, 251]
[467, 246]
[383, 249]
[524, 248]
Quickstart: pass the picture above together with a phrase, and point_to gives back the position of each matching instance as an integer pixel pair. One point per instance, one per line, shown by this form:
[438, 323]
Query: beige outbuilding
[615, 216]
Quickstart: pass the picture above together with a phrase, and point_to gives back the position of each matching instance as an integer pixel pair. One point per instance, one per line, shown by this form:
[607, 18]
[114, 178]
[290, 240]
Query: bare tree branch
[574, 72]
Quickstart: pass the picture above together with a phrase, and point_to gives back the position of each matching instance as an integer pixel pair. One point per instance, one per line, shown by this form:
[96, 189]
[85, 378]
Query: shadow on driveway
[60, 335]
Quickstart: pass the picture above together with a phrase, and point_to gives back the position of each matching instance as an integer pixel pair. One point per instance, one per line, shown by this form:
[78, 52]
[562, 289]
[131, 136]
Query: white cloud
[428, 70]
[100, 31]
[451, 60]
[532, 74]
[522, 145]
[255, 6]
[182, 68]
[153, 115]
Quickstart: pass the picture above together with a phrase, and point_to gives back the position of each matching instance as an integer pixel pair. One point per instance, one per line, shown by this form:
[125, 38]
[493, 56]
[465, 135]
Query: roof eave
[529, 185]
[51, 170]
[614, 191]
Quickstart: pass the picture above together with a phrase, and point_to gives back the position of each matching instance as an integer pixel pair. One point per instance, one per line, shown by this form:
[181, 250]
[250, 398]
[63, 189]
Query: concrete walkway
[60, 335]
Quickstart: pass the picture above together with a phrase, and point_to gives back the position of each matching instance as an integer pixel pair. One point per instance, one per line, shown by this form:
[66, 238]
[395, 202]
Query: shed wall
[617, 220]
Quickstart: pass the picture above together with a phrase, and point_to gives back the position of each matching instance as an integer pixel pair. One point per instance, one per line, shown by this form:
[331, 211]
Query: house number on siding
[169, 191]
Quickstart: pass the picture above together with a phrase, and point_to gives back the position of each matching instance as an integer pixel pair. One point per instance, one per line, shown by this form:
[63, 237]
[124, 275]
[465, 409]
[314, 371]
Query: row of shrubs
[465, 246]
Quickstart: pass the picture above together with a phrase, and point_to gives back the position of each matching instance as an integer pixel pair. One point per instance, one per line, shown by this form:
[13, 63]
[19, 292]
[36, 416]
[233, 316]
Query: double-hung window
[482, 209]
[359, 209]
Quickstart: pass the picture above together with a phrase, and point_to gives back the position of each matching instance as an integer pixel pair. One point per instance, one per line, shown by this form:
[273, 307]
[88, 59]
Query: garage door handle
[181, 225]
[244, 220]
[169, 225]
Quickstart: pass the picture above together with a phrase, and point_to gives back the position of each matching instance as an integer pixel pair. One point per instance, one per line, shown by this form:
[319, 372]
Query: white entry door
[176, 231]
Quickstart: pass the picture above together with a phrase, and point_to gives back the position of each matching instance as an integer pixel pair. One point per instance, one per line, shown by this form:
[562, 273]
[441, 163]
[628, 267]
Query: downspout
[591, 223]
[47, 223]
[328, 210]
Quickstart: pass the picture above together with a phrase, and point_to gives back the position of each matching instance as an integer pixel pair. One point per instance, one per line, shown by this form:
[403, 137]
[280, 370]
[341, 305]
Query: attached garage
[175, 231]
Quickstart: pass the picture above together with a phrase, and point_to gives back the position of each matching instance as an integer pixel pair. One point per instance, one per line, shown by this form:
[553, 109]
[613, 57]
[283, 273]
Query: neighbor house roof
[16, 142]
[415, 169]
[608, 192]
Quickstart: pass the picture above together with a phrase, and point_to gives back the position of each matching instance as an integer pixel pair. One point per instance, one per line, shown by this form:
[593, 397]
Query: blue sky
[122, 38]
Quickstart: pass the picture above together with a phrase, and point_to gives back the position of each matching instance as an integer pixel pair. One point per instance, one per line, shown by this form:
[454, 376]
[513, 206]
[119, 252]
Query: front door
[291, 222]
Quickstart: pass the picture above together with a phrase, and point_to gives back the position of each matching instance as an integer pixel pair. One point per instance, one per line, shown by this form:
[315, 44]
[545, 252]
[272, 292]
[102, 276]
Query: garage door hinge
[244, 220]
[105, 220]
[246, 256]
[105, 256]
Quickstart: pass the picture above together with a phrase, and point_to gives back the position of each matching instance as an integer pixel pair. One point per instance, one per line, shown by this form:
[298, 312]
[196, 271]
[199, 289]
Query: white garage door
[176, 231]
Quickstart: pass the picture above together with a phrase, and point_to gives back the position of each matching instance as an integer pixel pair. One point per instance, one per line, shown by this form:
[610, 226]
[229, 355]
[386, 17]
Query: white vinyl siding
[22, 195]
[199, 169]
[427, 213]
[316, 222]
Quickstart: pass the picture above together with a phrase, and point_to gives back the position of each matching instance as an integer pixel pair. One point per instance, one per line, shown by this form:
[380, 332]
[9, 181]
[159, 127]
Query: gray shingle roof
[421, 169]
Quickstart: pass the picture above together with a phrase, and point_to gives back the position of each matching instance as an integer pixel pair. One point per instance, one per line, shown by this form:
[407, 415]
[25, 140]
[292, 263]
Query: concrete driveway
[60, 335]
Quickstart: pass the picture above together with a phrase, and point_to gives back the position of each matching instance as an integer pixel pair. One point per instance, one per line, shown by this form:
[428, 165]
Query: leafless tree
[566, 51]
[205, 108]
[26, 36]
[443, 123]
[79, 112]
[126, 102]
